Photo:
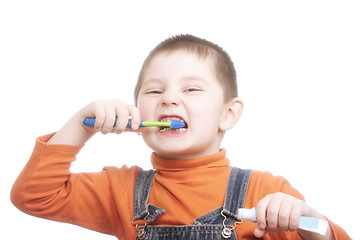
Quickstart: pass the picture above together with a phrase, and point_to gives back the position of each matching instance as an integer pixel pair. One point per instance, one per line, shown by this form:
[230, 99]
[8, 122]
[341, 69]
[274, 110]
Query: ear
[232, 113]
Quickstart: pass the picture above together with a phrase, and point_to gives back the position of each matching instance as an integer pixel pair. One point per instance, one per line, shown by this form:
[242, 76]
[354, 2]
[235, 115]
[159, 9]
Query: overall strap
[236, 191]
[143, 210]
[234, 198]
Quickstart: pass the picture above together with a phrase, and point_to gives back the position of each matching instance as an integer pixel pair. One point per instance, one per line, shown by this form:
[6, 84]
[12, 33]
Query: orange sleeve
[264, 183]
[339, 233]
[46, 188]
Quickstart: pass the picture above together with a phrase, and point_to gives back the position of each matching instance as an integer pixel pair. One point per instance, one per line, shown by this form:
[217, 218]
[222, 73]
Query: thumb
[260, 231]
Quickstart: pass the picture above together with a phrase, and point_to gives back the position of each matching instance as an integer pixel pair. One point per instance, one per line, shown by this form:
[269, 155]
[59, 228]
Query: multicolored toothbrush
[175, 124]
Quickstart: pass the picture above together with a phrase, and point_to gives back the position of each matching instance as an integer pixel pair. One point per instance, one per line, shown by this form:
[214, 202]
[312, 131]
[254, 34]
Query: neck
[217, 159]
[185, 156]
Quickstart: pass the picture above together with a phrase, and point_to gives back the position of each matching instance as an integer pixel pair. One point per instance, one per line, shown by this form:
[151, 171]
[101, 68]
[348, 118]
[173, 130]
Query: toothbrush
[305, 223]
[175, 124]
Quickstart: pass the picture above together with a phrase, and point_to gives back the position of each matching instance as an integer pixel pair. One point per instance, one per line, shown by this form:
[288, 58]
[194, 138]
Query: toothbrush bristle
[175, 124]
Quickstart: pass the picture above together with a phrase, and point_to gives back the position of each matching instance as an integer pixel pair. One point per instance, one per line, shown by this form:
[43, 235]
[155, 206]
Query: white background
[298, 70]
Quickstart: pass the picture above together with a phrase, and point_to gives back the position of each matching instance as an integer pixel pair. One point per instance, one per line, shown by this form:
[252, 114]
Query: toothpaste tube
[305, 223]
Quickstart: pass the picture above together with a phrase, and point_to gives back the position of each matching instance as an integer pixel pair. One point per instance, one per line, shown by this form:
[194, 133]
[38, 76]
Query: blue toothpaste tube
[305, 223]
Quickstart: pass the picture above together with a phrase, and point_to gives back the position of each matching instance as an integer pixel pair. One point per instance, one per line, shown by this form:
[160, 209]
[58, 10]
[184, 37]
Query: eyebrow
[186, 78]
[151, 81]
[194, 78]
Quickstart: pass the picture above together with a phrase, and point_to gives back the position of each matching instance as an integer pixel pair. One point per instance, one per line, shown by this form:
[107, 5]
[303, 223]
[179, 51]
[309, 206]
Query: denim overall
[217, 224]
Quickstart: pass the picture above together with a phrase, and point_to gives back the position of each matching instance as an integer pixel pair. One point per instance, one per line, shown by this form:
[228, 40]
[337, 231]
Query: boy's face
[180, 85]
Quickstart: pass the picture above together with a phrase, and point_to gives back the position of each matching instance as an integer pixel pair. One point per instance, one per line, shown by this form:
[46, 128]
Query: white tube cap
[246, 214]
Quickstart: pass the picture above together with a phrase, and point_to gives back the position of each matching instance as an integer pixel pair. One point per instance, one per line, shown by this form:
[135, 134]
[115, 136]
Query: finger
[99, 114]
[110, 117]
[259, 233]
[135, 117]
[284, 215]
[261, 212]
[117, 127]
[122, 119]
[272, 213]
[295, 214]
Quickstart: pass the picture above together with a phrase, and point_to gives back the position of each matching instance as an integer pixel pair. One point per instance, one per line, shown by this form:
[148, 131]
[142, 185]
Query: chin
[170, 152]
[177, 153]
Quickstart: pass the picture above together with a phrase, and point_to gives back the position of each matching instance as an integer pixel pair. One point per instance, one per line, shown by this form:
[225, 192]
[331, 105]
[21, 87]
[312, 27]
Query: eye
[154, 91]
[193, 89]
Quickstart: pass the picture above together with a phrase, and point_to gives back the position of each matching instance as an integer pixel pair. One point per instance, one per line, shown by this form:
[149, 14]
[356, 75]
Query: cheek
[144, 113]
[207, 115]
[145, 109]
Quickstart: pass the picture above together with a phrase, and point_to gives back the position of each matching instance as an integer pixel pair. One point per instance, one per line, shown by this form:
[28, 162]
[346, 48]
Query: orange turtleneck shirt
[103, 201]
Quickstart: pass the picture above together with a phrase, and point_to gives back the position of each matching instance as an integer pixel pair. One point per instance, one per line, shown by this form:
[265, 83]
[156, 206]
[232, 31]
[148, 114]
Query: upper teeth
[169, 119]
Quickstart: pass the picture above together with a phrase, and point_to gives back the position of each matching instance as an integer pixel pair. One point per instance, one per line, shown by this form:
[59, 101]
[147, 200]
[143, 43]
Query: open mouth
[168, 129]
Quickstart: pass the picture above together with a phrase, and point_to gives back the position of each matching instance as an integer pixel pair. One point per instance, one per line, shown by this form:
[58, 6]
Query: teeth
[169, 129]
[169, 119]
[163, 129]
[181, 130]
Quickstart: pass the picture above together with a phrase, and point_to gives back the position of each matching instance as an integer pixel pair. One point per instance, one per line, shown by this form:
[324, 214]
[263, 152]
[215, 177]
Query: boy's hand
[106, 111]
[74, 132]
[281, 212]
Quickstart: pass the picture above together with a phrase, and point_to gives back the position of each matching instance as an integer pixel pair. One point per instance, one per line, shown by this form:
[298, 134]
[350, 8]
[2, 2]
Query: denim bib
[217, 224]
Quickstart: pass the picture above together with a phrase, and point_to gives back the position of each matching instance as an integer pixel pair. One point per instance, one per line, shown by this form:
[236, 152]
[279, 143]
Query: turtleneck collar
[211, 161]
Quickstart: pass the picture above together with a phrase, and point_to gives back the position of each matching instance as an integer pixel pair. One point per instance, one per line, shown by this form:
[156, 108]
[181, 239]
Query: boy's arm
[46, 188]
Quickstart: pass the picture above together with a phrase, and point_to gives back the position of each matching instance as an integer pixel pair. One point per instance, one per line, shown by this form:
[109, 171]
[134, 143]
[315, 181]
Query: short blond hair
[223, 65]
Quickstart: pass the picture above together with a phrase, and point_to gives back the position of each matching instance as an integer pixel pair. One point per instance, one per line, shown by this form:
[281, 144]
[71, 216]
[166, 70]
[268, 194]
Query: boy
[194, 193]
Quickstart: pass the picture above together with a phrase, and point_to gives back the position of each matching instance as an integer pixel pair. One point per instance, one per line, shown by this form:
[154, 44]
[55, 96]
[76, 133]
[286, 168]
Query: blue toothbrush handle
[90, 122]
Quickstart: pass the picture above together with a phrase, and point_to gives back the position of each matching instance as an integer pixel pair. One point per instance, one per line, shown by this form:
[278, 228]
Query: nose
[170, 98]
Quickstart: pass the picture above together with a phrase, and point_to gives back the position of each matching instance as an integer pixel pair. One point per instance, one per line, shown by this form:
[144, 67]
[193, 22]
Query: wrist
[309, 235]
[72, 133]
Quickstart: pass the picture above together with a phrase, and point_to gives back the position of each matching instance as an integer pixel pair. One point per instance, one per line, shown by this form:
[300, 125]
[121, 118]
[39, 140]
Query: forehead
[179, 64]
